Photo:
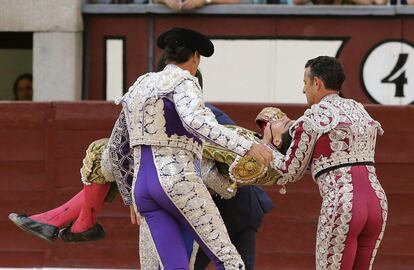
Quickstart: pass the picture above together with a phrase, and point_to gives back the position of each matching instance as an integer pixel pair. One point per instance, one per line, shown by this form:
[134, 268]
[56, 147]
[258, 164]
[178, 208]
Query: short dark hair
[178, 54]
[199, 77]
[161, 62]
[328, 69]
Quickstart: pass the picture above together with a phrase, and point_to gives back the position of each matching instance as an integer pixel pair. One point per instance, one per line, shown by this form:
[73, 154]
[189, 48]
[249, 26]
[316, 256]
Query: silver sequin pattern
[214, 180]
[336, 214]
[118, 141]
[352, 134]
[144, 110]
[379, 191]
[182, 184]
[149, 258]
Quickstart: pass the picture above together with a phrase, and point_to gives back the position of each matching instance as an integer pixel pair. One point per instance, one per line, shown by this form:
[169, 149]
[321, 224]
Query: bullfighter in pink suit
[336, 138]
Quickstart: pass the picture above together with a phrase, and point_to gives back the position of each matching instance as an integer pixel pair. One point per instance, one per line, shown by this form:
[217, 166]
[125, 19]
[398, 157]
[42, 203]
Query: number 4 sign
[388, 73]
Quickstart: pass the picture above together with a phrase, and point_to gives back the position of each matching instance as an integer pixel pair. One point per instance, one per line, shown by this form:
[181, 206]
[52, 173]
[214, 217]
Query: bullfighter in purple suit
[166, 123]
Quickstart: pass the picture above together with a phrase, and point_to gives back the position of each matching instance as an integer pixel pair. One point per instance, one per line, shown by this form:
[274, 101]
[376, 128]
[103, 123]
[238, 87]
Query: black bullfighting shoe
[97, 232]
[42, 230]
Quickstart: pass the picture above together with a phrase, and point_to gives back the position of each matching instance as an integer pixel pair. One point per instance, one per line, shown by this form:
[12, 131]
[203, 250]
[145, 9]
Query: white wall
[259, 71]
[40, 15]
[57, 62]
[114, 68]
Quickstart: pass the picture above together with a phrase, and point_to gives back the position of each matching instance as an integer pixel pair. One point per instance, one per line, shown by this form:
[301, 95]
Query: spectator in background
[367, 2]
[117, 1]
[341, 2]
[192, 4]
[401, 2]
[22, 87]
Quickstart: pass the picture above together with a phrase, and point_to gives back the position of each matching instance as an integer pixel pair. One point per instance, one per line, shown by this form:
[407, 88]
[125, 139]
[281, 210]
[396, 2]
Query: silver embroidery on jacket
[352, 136]
[202, 122]
[214, 180]
[122, 163]
[144, 112]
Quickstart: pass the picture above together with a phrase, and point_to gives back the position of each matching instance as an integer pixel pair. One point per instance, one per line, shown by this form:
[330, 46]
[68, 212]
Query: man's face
[309, 87]
[24, 90]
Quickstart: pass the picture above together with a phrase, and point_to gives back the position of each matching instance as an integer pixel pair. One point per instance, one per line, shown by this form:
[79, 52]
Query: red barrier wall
[41, 153]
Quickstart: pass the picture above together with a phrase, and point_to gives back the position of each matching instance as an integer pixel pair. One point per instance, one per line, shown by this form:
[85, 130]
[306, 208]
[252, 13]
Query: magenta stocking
[93, 198]
[63, 214]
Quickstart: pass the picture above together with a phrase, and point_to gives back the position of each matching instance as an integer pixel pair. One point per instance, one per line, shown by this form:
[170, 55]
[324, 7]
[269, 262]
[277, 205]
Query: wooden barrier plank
[287, 237]
[402, 114]
[22, 175]
[396, 177]
[22, 259]
[397, 240]
[283, 261]
[22, 144]
[13, 237]
[87, 115]
[23, 115]
[72, 143]
[115, 209]
[94, 256]
[387, 145]
[290, 208]
[401, 209]
[68, 172]
[21, 202]
[39, 169]
[394, 262]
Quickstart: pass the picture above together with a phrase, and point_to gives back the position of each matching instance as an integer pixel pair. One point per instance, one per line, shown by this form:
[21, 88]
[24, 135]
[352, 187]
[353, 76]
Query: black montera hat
[187, 38]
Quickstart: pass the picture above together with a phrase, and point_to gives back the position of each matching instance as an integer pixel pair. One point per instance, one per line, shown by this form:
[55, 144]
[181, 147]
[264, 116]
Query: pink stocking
[93, 198]
[63, 214]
